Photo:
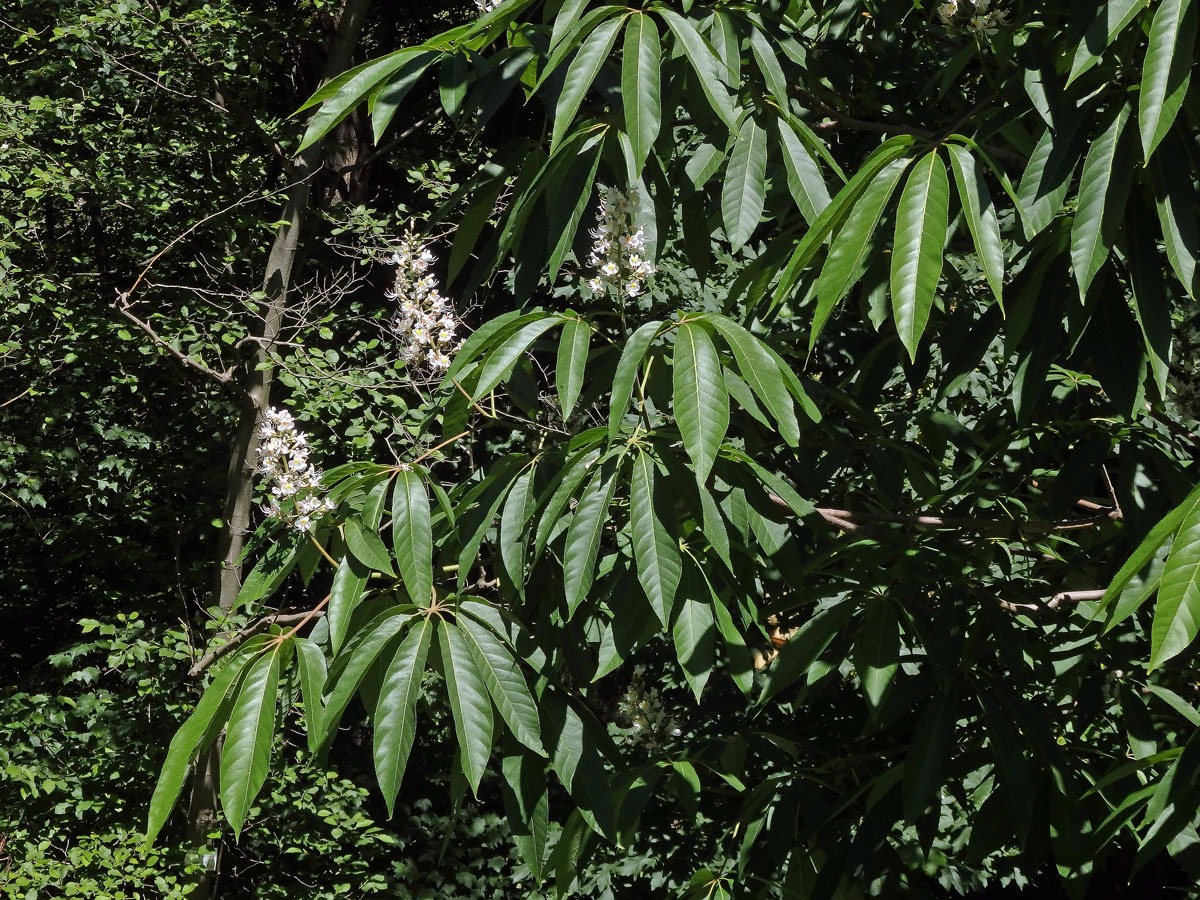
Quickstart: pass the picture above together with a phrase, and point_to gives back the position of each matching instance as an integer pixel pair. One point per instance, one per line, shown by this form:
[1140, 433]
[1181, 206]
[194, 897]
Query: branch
[121, 305]
[240, 637]
[852, 520]
[1053, 603]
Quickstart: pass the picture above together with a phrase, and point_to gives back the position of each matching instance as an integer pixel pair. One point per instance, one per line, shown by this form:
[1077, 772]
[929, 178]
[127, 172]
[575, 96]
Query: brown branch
[852, 520]
[121, 305]
[1053, 603]
[240, 637]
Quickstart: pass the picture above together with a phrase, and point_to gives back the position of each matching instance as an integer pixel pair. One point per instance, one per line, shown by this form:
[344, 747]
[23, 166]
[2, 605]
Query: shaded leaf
[395, 715]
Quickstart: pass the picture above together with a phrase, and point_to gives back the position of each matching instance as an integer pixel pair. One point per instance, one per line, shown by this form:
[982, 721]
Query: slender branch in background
[256, 627]
[852, 520]
[1053, 603]
[121, 305]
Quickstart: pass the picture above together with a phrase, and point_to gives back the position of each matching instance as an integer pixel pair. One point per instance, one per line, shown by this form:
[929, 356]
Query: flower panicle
[425, 321]
[293, 482]
[618, 248]
[972, 15]
[649, 723]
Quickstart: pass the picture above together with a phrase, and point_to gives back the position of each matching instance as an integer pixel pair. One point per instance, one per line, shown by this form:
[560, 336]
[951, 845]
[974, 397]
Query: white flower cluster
[425, 320]
[617, 252]
[487, 6]
[283, 459]
[642, 707]
[974, 15]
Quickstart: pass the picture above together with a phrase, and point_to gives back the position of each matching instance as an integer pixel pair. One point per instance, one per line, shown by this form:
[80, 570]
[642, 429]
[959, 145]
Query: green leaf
[805, 183]
[927, 755]
[1177, 612]
[1176, 201]
[519, 506]
[187, 739]
[388, 97]
[741, 663]
[499, 363]
[504, 683]
[744, 193]
[877, 653]
[704, 63]
[626, 374]
[527, 805]
[268, 573]
[341, 94]
[348, 584]
[1167, 71]
[921, 221]
[311, 663]
[395, 715]
[367, 546]
[1044, 185]
[413, 535]
[572, 359]
[573, 179]
[700, 401]
[1103, 189]
[1110, 20]
[580, 75]
[758, 369]
[350, 670]
[834, 213]
[469, 703]
[654, 549]
[694, 634]
[583, 538]
[768, 64]
[1012, 768]
[641, 81]
[981, 217]
[802, 649]
[246, 754]
[847, 254]
[1145, 552]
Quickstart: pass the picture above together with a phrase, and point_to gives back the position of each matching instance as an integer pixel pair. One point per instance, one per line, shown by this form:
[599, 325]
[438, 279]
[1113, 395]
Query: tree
[874, 444]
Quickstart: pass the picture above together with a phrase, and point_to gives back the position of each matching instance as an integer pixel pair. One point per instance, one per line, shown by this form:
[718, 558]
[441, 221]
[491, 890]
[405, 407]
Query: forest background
[917, 618]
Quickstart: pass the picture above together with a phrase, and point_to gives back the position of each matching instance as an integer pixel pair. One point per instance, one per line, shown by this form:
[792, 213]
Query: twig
[248, 632]
[121, 305]
[851, 520]
[1053, 603]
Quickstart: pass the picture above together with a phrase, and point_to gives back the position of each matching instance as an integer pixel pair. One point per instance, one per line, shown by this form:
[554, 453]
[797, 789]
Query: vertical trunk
[239, 492]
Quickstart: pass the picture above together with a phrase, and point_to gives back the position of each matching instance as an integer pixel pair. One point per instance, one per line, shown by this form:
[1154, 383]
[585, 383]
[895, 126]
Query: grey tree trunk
[259, 373]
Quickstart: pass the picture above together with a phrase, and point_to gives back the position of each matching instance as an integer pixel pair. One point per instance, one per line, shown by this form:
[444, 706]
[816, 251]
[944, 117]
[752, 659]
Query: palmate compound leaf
[395, 715]
[655, 551]
[1177, 611]
[413, 535]
[469, 703]
[700, 400]
[246, 753]
[207, 717]
[921, 221]
[504, 681]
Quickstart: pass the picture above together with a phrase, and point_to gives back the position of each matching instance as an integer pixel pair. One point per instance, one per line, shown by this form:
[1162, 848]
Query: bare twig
[1053, 603]
[224, 378]
[852, 520]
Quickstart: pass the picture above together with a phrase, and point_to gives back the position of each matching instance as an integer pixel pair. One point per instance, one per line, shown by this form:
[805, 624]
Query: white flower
[610, 269]
[425, 321]
[302, 523]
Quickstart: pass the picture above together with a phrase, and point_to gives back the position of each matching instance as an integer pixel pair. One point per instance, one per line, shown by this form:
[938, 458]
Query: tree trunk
[259, 373]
